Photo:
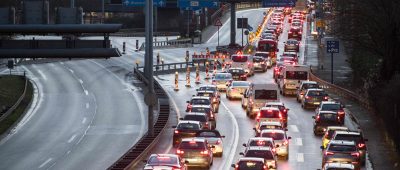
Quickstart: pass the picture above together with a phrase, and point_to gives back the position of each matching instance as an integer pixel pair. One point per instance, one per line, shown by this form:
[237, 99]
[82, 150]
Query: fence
[177, 67]
[12, 108]
[172, 43]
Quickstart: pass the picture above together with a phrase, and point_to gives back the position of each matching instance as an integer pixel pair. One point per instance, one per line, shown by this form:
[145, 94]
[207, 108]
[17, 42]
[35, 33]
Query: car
[292, 45]
[335, 107]
[295, 33]
[201, 117]
[211, 94]
[277, 70]
[263, 152]
[284, 111]
[313, 98]
[304, 85]
[338, 166]
[238, 73]
[355, 136]
[291, 54]
[285, 59]
[213, 138]
[236, 89]
[250, 163]
[259, 63]
[269, 36]
[221, 80]
[341, 151]
[323, 119]
[257, 95]
[185, 129]
[268, 59]
[260, 141]
[201, 100]
[207, 110]
[209, 87]
[268, 125]
[330, 130]
[196, 151]
[281, 141]
[164, 161]
[244, 61]
[269, 114]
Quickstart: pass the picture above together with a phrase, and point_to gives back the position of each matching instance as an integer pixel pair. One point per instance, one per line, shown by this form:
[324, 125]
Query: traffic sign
[320, 23]
[279, 3]
[141, 3]
[332, 46]
[218, 23]
[197, 4]
[242, 23]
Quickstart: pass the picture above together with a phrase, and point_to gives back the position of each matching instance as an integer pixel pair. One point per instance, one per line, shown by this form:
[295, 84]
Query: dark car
[342, 151]
[335, 107]
[357, 137]
[201, 117]
[295, 33]
[185, 129]
[313, 98]
[250, 163]
[207, 110]
[259, 63]
[271, 159]
[238, 74]
[323, 119]
[292, 45]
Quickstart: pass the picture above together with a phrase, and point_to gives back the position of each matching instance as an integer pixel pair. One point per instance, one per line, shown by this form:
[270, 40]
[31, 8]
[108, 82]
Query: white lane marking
[234, 143]
[72, 71]
[299, 142]
[68, 152]
[87, 105]
[45, 162]
[84, 120]
[294, 128]
[62, 63]
[300, 157]
[86, 92]
[41, 74]
[72, 138]
[80, 81]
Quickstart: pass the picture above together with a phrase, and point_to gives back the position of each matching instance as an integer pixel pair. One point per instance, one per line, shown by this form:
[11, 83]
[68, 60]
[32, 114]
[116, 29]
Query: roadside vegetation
[371, 30]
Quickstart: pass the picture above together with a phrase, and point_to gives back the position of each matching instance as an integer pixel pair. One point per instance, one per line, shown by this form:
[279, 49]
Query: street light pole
[72, 3]
[233, 24]
[102, 12]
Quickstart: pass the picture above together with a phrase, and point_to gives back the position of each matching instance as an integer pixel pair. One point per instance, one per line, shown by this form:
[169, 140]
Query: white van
[243, 61]
[291, 77]
[257, 95]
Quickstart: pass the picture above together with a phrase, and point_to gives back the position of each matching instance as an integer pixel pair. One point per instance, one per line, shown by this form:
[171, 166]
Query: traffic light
[10, 64]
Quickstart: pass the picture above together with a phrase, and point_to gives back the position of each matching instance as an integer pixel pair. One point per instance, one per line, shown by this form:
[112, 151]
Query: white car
[236, 89]
[165, 161]
[281, 141]
[221, 80]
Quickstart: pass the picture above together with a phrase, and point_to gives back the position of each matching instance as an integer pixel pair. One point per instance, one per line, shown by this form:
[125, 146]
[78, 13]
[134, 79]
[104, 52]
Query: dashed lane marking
[300, 157]
[299, 142]
[87, 105]
[45, 162]
[72, 138]
[84, 120]
[293, 128]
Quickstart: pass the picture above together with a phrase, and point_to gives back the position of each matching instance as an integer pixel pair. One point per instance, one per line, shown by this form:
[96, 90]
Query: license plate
[235, 77]
[316, 103]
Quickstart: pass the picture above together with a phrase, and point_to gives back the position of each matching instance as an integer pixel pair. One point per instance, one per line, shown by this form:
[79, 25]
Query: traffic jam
[197, 139]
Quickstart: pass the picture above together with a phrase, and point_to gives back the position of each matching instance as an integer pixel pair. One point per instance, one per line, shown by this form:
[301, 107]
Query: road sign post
[218, 23]
[278, 3]
[332, 47]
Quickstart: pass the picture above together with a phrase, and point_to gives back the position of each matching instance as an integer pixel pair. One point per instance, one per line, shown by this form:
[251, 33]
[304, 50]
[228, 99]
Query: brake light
[280, 115]
[276, 68]
[317, 118]
[214, 100]
[273, 149]
[355, 154]
[300, 32]
[361, 145]
[285, 110]
[218, 142]
[212, 115]
[290, 32]
[308, 97]
[176, 131]
[258, 116]
[205, 152]
[243, 75]
[265, 166]
[179, 152]
[326, 98]
[302, 93]
[329, 153]
[341, 112]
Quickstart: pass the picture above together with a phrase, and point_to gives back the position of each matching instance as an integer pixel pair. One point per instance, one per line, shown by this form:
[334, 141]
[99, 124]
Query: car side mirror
[244, 145]
[233, 166]
[286, 129]
[180, 118]
[254, 129]
[321, 147]
[173, 127]
[289, 137]
[222, 136]
[241, 153]
[187, 102]
[313, 117]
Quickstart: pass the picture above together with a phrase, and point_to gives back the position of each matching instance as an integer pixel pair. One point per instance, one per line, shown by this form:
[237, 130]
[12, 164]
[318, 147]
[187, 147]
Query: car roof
[196, 113]
[270, 108]
[274, 103]
[270, 123]
[315, 89]
[336, 128]
[201, 97]
[236, 68]
[251, 159]
[193, 139]
[205, 91]
[261, 138]
[165, 155]
[203, 106]
[339, 165]
[330, 102]
[189, 121]
[265, 148]
[309, 82]
[273, 130]
[323, 112]
[342, 142]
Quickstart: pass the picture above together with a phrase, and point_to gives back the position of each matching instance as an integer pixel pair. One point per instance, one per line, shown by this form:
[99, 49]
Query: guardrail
[138, 152]
[12, 108]
[341, 91]
[178, 67]
[171, 43]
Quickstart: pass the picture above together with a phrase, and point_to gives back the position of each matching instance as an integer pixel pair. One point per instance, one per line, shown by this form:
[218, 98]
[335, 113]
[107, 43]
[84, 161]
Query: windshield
[259, 154]
[266, 94]
[200, 109]
[250, 165]
[310, 86]
[330, 107]
[297, 75]
[242, 83]
[260, 143]
[316, 93]
[355, 138]
[269, 114]
[199, 118]
[239, 58]
[275, 136]
[188, 126]
[342, 148]
[192, 145]
[236, 71]
[208, 134]
[327, 117]
[266, 46]
[207, 88]
[223, 76]
[258, 59]
[157, 160]
[200, 102]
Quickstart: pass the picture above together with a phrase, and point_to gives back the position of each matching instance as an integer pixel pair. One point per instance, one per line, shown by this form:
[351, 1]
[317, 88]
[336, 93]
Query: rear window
[275, 136]
[236, 71]
[327, 116]
[265, 55]
[270, 47]
[330, 107]
[339, 169]
[240, 83]
[260, 143]
[192, 145]
[355, 138]
[342, 148]
[200, 102]
[200, 109]
[208, 134]
[188, 126]
[154, 160]
[207, 88]
[269, 127]
[291, 42]
[266, 154]
[205, 94]
[266, 94]
[269, 114]
[239, 58]
[310, 86]
[199, 118]
[316, 93]
[297, 75]
[223, 76]
[257, 59]
[280, 107]
[250, 165]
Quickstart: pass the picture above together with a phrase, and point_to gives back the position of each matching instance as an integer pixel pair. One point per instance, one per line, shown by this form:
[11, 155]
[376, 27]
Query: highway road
[304, 151]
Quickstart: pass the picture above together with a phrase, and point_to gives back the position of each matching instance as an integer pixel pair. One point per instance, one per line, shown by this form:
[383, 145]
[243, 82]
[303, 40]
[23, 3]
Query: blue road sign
[332, 46]
[279, 3]
[139, 3]
[197, 4]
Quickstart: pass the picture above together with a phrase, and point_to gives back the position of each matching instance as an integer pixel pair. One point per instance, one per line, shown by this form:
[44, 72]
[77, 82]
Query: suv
[292, 45]
[262, 152]
[185, 129]
[260, 63]
[238, 74]
[196, 151]
[357, 137]
[281, 141]
[257, 95]
[284, 111]
[343, 152]
[269, 114]
[313, 98]
[247, 163]
[205, 109]
[304, 85]
[323, 119]
[200, 100]
[201, 117]
[268, 125]
[334, 107]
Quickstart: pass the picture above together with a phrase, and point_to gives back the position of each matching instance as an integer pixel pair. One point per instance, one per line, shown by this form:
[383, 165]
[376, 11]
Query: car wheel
[287, 157]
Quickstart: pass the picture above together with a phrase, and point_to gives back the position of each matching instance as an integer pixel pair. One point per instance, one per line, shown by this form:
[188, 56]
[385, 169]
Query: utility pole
[72, 3]
[233, 23]
[102, 12]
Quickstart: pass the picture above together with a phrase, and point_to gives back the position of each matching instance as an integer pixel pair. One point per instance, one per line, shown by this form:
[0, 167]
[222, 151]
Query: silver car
[281, 141]
[221, 80]
[214, 138]
[236, 89]
[164, 161]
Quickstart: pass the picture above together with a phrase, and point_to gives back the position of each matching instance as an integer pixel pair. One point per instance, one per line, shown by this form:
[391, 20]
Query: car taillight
[273, 150]
[341, 112]
[258, 116]
[290, 32]
[326, 98]
[285, 110]
[265, 167]
[308, 97]
[243, 75]
[176, 131]
[214, 82]
[276, 68]
[329, 153]
[317, 118]
[280, 116]
[300, 32]
[361, 145]
[286, 142]
[355, 154]
[179, 152]
[214, 100]
[205, 152]
[218, 142]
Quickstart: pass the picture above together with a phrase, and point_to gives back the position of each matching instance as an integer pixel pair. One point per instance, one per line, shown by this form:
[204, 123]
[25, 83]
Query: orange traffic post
[215, 67]
[207, 74]
[197, 74]
[188, 77]
[176, 82]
